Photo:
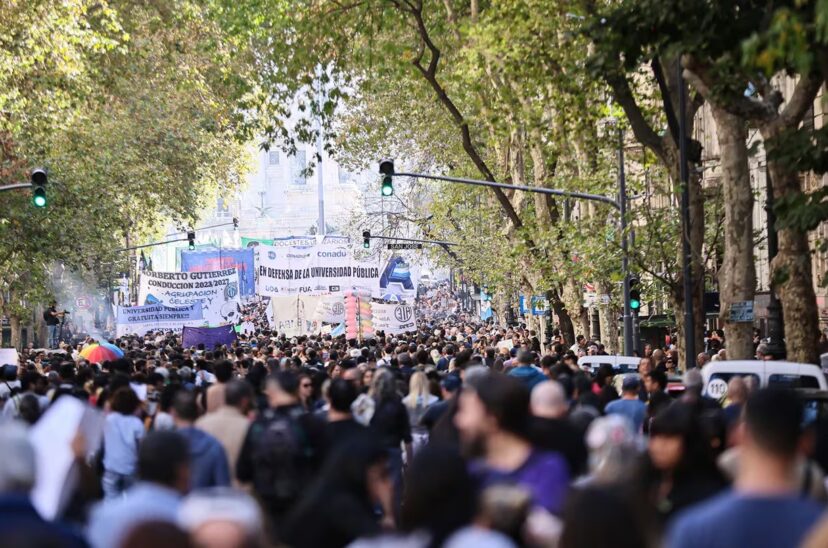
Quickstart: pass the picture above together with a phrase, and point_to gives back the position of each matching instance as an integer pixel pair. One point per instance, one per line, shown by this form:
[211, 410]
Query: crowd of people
[456, 435]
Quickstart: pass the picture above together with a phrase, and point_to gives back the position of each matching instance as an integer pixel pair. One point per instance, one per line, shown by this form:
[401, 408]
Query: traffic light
[386, 169]
[635, 295]
[39, 180]
[387, 185]
[235, 223]
[191, 240]
[366, 239]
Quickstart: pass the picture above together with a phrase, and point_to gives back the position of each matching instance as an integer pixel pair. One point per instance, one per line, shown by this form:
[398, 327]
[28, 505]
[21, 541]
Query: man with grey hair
[550, 429]
[19, 520]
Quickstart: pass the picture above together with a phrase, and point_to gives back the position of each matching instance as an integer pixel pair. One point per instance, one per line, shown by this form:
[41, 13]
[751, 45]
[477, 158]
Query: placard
[217, 291]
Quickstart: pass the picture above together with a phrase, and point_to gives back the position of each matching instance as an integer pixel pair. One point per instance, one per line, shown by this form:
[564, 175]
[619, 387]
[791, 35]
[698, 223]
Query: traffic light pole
[15, 186]
[134, 247]
[525, 188]
[625, 261]
[396, 238]
[620, 205]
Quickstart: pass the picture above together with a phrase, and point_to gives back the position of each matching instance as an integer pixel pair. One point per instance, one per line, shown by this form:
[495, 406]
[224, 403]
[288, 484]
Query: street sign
[741, 311]
[399, 246]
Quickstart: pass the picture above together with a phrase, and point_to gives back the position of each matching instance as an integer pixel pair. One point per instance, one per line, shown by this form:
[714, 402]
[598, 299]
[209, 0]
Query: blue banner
[220, 259]
[208, 336]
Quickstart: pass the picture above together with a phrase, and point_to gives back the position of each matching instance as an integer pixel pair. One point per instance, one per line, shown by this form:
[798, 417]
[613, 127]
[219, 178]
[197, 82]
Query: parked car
[716, 375]
[620, 364]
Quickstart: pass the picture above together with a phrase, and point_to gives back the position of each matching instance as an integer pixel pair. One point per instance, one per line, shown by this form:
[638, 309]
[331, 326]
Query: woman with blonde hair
[418, 400]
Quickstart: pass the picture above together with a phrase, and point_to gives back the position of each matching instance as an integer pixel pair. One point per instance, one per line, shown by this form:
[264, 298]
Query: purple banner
[209, 336]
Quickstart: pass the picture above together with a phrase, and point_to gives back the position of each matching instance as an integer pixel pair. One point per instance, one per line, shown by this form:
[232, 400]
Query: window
[793, 381]
[299, 166]
[344, 176]
[222, 207]
[273, 157]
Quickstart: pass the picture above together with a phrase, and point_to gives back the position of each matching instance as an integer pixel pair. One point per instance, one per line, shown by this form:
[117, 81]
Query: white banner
[217, 291]
[394, 319]
[331, 309]
[138, 320]
[294, 315]
[318, 270]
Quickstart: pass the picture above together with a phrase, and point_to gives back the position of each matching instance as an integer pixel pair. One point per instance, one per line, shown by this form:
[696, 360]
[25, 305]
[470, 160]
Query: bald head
[549, 400]
[737, 390]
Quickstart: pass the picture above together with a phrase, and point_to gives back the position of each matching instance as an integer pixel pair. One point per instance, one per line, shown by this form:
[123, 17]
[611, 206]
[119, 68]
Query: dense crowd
[457, 435]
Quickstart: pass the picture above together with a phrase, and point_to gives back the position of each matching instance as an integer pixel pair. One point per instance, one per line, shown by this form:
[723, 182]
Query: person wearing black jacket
[339, 507]
[282, 450]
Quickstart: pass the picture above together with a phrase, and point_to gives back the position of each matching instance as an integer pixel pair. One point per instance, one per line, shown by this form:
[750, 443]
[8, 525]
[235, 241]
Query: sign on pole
[398, 246]
[741, 312]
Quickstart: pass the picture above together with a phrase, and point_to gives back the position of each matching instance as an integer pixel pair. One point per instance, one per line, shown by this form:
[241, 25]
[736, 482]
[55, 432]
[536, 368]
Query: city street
[414, 273]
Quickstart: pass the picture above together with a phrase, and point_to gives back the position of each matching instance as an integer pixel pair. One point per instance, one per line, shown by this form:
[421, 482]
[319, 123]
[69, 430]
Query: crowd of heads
[460, 433]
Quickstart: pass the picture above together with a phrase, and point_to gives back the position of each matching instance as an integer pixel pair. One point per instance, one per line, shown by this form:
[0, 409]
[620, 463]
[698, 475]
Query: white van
[620, 364]
[716, 375]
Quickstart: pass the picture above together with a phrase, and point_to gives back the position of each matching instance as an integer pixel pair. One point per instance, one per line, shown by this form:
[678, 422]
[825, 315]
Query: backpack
[281, 456]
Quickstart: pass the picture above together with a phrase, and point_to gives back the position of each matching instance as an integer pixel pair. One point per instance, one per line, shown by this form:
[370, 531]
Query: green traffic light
[387, 186]
[366, 245]
[635, 304]
[39, 197]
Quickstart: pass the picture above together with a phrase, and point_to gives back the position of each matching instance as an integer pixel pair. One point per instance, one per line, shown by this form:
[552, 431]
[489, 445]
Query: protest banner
[221, 259]
[218, 292]
[138, 320]
[208, 336]
[293, 315]
[331, 309]
[398, 281]
[317, 270]
[8, 356]
[393, 319]
[293, 241]
[51, 437]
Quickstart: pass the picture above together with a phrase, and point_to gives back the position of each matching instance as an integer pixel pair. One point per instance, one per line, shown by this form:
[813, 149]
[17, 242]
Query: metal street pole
[625, 265]
[776, 329]
[414, 240]
[320, 185]
[15, 186]
[525, 188]
[686, 252]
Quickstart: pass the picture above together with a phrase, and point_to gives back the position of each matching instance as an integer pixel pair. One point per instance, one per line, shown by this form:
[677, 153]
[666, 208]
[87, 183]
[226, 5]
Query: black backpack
[282, 456]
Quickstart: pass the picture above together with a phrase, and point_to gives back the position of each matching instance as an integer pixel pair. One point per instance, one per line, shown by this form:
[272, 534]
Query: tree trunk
[14, 323]
[564, 319]
[791, 272]
[696, 265]
[607, 318]
[737, 278]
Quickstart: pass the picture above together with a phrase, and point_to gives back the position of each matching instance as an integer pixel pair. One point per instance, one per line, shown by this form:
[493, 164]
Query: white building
[280, 198]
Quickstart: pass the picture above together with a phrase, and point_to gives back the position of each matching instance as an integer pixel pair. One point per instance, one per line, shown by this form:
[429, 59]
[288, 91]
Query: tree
[727, 48]
[623, 56]
[134, 109]
[503, 82]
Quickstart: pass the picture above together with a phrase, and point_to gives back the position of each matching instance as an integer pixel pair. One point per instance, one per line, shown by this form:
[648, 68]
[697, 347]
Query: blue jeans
[114, 484]
[54, 330]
